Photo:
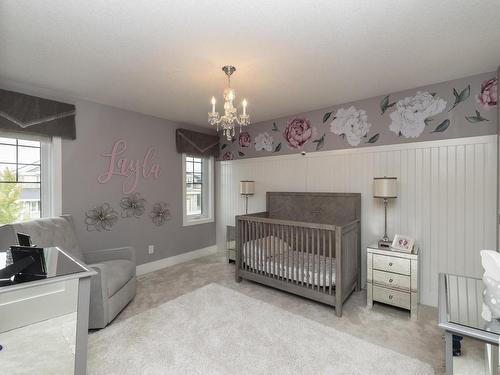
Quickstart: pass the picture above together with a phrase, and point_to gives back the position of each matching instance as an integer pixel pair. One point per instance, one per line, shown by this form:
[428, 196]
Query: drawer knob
[390, 296]
[390, 264]
[391, 280]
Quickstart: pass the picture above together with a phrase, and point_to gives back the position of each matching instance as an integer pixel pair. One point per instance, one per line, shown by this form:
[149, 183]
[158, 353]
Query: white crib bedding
[281, 264]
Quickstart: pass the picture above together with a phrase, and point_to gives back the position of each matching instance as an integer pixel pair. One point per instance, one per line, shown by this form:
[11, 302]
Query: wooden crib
[305, 243]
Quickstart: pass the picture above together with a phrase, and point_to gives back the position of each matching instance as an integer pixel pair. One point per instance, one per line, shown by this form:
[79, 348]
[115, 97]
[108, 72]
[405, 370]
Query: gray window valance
[30, 114]
[196, 144]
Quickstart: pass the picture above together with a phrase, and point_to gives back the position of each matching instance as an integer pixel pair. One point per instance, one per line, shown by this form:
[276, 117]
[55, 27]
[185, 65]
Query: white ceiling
[163, 57]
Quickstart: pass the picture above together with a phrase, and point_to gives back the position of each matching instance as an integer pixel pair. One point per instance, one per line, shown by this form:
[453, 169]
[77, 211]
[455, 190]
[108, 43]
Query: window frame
[207, 210]
[50, 171]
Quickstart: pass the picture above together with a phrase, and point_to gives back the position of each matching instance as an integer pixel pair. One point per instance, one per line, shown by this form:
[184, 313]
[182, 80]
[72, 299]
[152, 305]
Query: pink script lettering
[130, 169]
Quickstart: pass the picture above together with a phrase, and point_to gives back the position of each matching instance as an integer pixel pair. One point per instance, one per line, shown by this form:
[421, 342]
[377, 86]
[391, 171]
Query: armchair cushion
[118, 273]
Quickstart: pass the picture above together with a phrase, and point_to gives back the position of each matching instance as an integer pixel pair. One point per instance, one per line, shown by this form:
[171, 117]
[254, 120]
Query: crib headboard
[323, 208]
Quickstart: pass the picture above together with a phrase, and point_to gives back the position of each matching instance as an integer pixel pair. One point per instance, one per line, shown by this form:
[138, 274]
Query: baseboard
[142, 269]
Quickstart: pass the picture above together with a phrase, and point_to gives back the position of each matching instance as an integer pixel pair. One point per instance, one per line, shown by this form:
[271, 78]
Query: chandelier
[228, 121]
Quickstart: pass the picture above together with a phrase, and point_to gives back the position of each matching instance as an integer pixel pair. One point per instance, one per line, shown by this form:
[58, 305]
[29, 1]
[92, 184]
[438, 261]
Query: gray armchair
[114, 285]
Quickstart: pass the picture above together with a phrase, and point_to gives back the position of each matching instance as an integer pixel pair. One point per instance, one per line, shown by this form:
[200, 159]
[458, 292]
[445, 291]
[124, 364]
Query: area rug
[216, 330]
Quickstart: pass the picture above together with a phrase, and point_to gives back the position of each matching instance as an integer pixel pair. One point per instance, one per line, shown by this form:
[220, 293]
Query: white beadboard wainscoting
[447, 196]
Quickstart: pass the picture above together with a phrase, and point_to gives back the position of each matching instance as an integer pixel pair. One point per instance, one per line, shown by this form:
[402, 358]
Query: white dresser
[392, 278]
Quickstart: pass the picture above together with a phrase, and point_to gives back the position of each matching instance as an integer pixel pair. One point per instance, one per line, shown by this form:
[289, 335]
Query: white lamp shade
[247, 187]
[385, 187]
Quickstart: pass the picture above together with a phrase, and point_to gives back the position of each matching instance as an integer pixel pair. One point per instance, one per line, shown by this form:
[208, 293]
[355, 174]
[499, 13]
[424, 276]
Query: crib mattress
[289, 263]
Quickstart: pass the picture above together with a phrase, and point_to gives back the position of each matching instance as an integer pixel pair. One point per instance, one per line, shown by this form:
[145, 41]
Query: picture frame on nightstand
[403, 243]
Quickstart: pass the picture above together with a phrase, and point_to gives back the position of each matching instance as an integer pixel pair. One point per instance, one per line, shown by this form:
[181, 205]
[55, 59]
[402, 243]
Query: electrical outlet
[151, 249]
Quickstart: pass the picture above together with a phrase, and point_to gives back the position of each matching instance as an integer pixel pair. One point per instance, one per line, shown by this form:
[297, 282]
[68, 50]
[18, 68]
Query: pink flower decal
[488, 96]
[228, 156]
[244, 139]
[297, 132]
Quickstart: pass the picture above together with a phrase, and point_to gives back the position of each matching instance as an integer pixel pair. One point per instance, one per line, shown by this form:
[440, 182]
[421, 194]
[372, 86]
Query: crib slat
[259, 247]
[324, 260]
[318, 245]
[307, 254]
[331, 261]
[294, 247]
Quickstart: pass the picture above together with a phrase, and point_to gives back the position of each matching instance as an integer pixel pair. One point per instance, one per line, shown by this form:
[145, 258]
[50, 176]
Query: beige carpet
[215, 330]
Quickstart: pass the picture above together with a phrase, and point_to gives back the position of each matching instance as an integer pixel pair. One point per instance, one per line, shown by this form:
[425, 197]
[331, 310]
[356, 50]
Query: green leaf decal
[442, 127]
[326, 116]
[460, 97]
[374, 138]
[320, 142]
[241, 154]
[385, 105]
[224, 145]
[275, 127]
[278, 147]
[476, 118]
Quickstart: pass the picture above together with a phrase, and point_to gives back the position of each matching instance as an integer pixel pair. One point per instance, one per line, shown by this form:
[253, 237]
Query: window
[198, 189]
[25, 178]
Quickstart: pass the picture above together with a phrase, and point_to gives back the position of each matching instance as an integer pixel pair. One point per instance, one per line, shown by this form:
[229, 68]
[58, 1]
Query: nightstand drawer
[391, 264]
[392, 280]
[391, 297]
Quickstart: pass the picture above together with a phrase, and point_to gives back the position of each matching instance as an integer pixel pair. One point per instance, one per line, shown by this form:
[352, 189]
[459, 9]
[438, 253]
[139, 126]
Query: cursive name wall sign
[131, 170]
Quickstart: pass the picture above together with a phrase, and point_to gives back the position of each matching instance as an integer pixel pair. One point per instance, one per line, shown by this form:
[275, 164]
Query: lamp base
[385, 244]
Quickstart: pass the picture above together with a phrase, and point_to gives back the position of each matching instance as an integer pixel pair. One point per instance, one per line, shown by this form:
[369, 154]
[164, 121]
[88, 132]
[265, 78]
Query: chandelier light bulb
[244, 104]
[213, 104]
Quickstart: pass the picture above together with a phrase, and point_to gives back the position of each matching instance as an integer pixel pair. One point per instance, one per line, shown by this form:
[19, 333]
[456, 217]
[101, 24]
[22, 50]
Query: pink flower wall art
[244, 139]
[488, 95]
[298, 132]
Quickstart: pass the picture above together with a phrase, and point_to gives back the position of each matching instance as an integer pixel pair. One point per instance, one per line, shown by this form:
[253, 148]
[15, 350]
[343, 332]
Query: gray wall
[98, 127]
[379, 132]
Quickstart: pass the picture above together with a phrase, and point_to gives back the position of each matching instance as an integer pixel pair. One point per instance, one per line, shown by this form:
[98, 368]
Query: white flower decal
[352, 124]
[409, 117]
[264, 141]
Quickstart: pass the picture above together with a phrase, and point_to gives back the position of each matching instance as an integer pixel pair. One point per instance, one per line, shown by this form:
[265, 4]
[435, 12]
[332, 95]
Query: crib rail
[299, 257]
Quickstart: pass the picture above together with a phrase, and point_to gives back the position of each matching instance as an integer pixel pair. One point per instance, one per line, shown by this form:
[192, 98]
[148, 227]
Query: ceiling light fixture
[228, 121]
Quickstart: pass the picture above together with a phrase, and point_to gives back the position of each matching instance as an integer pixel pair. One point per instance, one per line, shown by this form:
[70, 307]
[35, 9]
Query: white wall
[447, 197]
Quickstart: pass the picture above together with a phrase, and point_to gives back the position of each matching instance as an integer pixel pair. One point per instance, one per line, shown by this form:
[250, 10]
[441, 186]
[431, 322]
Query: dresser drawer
[392, 280]
[391, 264]
[391, 297]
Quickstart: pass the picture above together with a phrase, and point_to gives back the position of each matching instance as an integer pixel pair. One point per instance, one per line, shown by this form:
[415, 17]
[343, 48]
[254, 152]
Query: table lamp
[247, 188]
[386, 188]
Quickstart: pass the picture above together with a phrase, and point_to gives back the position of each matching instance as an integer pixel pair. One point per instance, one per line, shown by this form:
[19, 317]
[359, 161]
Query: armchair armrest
[127, 253]
[98, 296]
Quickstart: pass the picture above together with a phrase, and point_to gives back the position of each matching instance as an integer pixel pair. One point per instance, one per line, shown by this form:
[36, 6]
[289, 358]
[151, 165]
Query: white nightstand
[392, 278]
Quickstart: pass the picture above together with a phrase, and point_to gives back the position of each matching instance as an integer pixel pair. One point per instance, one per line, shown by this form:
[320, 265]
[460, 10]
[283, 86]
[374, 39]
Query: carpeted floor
[215, 330]
[383, 325]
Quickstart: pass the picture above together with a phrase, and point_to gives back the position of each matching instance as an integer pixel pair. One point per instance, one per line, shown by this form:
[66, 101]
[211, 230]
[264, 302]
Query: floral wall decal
[410, 114]
[435, 112]
[352, 124]
[460, 97]
[374, 138]
[320, 142]
[298, 132]
[488, 95]
[385, 105]
[244, 139]
[228, 156]
[160, 213]
[476, 118]
[442, 126]
[133, 206]
[101, 218]
[264, 141]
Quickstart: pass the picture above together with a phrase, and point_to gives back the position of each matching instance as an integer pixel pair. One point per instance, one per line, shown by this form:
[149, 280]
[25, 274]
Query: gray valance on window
[196, 144]
[31, 114]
